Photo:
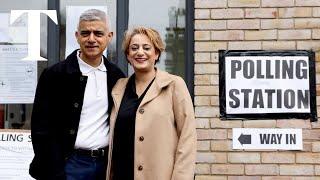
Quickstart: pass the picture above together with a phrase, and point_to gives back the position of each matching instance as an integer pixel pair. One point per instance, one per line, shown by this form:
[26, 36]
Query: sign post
[262, 138]
[267, 85]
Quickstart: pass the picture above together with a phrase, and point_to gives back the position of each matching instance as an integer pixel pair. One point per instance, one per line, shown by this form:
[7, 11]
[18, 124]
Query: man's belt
[101, 152]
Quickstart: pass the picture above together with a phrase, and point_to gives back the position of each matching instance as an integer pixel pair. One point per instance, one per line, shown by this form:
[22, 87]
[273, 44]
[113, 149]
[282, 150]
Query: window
[112, 9]
[168, 18]
[13, 43]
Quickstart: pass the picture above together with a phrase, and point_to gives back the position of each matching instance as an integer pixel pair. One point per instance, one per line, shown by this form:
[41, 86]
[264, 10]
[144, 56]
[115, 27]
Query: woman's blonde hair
[152, 34]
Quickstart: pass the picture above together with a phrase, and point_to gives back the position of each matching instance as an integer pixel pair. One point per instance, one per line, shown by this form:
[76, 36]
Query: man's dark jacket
[56, 114]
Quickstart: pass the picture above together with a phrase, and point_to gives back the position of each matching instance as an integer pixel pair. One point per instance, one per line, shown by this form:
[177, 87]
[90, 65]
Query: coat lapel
[162, 80]
[118, 92]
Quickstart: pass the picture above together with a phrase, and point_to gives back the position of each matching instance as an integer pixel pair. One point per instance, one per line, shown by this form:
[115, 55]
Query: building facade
[251, 25]
[194, 31]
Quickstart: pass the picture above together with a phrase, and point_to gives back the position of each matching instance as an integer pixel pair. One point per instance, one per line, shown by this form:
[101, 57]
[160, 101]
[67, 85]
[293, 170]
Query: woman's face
[141, 53]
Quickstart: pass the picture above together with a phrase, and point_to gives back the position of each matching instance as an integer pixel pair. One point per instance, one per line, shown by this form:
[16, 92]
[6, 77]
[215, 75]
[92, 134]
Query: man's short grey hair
[95, 15]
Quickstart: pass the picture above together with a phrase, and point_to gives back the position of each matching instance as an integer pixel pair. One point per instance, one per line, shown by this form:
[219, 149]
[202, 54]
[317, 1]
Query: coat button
[141, 111]
[76, 105]
[140, 168]
[72, 131]
[81, 78]
[141, 138]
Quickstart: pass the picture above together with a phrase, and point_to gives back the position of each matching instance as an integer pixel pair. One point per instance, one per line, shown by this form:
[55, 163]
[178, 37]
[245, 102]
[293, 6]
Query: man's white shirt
[93, 128]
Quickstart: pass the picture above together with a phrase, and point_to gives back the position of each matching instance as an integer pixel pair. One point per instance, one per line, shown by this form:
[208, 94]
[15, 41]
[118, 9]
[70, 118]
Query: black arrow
[244, 139]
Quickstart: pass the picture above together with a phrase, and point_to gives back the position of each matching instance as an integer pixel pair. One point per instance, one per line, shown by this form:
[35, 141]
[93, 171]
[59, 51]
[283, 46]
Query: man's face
[93, 38]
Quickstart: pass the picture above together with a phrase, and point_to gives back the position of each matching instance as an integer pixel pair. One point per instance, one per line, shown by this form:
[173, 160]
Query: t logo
[33, 30]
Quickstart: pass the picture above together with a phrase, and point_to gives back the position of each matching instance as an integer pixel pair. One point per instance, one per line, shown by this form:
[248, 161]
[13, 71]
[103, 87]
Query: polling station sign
[16, 154]
[267, 84]
[267, 138]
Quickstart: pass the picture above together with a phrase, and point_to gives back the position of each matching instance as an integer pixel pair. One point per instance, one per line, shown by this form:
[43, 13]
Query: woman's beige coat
[165, 134]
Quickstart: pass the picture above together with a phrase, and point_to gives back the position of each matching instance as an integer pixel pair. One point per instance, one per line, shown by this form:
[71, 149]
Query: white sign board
[72, 19]
[261, 138]
[15, 155]
[14, 33]
[267, 84]
[18, 79]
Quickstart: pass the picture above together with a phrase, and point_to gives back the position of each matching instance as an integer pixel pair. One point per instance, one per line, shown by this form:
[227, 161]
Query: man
[69, 124]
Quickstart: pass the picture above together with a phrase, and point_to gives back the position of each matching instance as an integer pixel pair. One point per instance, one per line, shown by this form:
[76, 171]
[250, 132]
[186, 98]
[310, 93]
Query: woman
[153, 134]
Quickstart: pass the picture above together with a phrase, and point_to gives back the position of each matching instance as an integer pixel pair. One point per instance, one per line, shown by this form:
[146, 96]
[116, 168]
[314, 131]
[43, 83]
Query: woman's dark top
[123, 141]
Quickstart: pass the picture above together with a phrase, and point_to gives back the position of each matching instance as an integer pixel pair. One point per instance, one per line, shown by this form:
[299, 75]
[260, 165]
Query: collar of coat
[162, 80]
[73, 65]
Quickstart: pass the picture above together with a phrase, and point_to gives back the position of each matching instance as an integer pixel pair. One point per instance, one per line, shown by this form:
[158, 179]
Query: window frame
[122, 24]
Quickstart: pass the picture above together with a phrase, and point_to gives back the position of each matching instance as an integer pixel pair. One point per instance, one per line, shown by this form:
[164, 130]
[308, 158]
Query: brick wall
[262, 25]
